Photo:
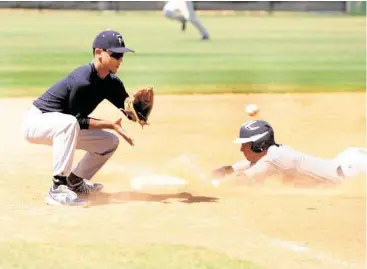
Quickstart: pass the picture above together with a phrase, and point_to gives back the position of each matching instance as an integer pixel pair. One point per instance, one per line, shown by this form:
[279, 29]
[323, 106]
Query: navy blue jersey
[80, 92]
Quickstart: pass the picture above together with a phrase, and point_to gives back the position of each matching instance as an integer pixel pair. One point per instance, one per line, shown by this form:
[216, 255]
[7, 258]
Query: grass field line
[313, 254]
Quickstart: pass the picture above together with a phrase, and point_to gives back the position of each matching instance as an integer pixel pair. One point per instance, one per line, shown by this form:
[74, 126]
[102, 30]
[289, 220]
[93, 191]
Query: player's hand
[143, 123]
[222, 171]
[117, 127]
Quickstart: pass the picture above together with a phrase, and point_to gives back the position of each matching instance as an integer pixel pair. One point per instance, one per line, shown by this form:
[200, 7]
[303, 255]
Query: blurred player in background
[183, 11]
[264, 157]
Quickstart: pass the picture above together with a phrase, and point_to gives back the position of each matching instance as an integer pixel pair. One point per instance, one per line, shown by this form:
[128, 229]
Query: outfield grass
[100, 256]
[246, 53]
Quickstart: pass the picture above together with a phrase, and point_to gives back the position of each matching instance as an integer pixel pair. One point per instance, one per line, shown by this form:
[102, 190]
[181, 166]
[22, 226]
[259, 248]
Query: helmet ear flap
[257, 148]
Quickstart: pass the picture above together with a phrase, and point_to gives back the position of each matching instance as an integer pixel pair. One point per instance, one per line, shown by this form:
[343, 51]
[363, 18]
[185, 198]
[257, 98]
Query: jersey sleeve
[74, 88]
[241, 165]
[260, 168]
[117, 93]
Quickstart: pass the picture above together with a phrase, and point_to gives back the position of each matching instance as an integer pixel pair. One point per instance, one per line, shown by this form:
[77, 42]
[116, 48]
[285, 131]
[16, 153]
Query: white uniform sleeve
[261, 168]
[241, 165]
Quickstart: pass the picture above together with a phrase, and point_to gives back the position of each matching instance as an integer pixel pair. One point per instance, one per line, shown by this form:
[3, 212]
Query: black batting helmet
[259, 133]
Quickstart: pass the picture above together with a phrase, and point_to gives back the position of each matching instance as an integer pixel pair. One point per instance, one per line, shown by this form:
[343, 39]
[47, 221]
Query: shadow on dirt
[102, 198]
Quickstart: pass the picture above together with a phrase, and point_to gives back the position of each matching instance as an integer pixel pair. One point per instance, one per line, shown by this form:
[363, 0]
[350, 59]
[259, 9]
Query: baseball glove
[139, 106]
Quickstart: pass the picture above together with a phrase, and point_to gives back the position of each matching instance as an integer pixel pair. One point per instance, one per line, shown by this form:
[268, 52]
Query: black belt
[340, 172]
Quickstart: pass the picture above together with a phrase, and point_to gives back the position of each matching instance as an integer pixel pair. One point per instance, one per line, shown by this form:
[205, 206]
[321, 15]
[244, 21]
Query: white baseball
[252, 110]
[215, 182]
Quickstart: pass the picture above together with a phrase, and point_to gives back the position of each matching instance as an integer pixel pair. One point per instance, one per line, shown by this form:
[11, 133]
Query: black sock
[73, 179]
[58, 180]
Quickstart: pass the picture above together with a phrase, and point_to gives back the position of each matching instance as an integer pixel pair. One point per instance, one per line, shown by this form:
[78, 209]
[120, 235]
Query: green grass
[103, 256]
[246, 53]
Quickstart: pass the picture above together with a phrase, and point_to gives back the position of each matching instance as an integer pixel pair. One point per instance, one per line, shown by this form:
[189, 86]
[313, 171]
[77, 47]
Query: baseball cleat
[63, 196]
[94, 186]
[80, 185]
[183, 25]
[84, 186]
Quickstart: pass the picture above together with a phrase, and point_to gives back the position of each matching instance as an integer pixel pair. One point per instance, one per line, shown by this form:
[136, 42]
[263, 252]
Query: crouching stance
[60, 117]
[265, 157]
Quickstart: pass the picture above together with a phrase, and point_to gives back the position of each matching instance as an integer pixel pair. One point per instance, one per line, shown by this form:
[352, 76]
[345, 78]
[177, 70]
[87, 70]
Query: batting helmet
[259, 133]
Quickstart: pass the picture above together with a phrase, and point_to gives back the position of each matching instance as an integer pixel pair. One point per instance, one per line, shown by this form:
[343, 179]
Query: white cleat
[63, 196]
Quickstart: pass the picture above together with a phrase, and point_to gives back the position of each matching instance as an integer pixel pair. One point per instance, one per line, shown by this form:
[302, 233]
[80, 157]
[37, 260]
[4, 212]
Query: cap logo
[119, 38]
[249, 126]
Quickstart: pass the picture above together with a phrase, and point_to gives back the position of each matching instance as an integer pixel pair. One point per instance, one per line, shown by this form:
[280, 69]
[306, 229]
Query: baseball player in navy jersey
[183, 11]
[60, 117]
[265, 157]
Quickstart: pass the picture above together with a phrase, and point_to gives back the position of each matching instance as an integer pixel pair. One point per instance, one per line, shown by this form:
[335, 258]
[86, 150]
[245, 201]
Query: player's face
[248, 153]
[112, 61]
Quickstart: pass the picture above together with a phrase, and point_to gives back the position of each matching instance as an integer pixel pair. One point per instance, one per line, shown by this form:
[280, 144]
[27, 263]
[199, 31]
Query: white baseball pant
[63, 133]
[186, 8]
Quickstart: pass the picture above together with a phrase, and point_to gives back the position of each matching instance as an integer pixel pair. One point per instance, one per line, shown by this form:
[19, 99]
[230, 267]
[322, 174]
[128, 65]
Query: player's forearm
[100, 124]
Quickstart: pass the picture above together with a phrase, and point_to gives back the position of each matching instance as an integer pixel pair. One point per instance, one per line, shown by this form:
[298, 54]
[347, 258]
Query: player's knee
[113, 142]
[110, 144]
[168, 13]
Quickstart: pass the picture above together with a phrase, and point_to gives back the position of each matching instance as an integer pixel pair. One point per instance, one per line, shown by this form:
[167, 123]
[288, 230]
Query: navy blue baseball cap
[112, 41]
